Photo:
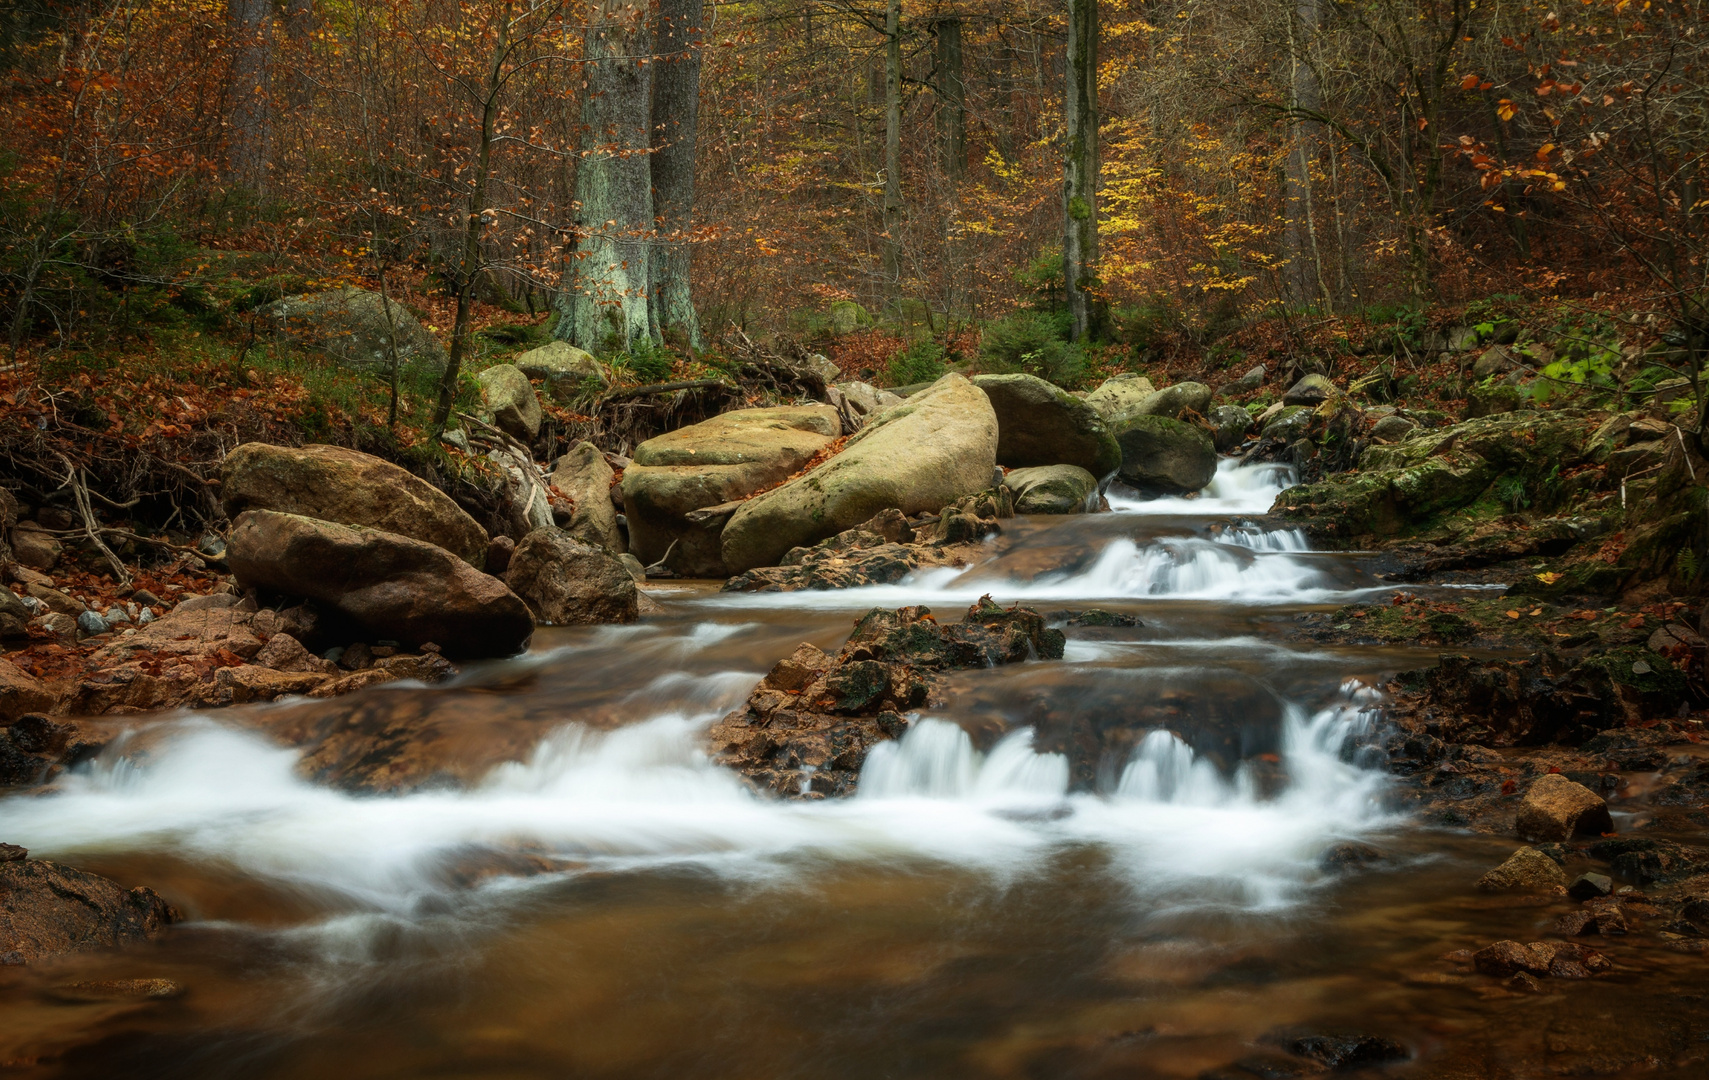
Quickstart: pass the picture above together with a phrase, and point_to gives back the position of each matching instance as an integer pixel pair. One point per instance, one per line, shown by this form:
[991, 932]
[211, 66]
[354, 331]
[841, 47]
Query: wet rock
[1349, 855]
[566, 582]
[566, 373]
[881, 551]
[1053, 489]
[1231, 423]
[1041, 424]
[1504, 958]
[1555, 808]
[1310, 391]
[47, 909]
[21, 693]
[1588, 886]
[938, 446]
[394, 587]
[285, 653]
[1165, 456]
[678, 480]
[808, 726]
[1695, 914]
[1645, 861]
[351, 326]
[1094, 617]
[98, 991]
[585, 477]
[508, 402]
[1345, 1051]
[1526, 870]
[350, 488]
[246, 683]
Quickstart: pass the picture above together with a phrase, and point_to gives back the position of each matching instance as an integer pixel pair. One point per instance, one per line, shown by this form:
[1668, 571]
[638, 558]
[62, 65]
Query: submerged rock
[1526, 870]
[47, 909]
[808, 726]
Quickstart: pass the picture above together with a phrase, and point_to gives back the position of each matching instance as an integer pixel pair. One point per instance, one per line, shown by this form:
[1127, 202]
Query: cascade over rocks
[48, 909]
[391, 585]
[1053, 489]
[585, 477]
[808, 726]
[917, 457]
[351, 326]
[349, 488]
[566, 582]
[708, 466]
[1041, 424]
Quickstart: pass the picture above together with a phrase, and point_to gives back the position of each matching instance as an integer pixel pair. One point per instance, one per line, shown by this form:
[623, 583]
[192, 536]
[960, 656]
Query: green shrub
[1033, 342]
[647, 361]
[920, 362]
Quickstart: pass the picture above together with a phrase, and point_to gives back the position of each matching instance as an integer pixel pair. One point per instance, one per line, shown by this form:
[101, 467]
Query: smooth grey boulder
[1172, 401]
[509, 402]
[1166, 457]
[1039, 423]
[1119, 397]
[917, 457]
[1393, 428]
[584, 476]
[351, 326]
[565, 372]
[1053, 489]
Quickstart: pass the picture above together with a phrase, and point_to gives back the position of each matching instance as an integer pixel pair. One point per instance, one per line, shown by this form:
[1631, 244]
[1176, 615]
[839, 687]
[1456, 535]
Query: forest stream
[1003, 897]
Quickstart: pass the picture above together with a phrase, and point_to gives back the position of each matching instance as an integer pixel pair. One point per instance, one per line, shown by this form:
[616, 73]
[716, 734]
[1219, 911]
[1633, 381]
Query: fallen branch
[660, 388]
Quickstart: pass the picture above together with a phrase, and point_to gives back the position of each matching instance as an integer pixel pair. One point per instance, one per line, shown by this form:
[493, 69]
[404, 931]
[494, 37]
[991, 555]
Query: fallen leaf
[1513, 614]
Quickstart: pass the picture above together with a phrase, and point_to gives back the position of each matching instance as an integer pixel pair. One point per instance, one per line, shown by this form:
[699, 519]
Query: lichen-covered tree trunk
[603, 304]
[893, 145]
[1080, 167]
[1304, 275]
[248, 22]
[676, 109]
[952, 99]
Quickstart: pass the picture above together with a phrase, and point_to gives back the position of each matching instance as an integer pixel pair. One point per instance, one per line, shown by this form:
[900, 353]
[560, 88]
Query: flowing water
[1107, 866]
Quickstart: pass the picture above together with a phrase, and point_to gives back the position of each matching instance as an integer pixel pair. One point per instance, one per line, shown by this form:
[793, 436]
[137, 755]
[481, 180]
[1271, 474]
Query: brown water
[1104, 901]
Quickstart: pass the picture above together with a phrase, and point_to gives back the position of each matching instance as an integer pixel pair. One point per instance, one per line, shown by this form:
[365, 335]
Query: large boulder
[709, 465]
[508, 401]
[1119, 397]
[1555, 808]
[20, 693]
[566, 582]
[47, 909]
[585, 477]
[35, 547]
[351, 326]
[917, 457]
[349, 488]
[390, 585]
[1231, 423]
[1039, 423]
[1053, 489]
[565, 372]
[1166, 457]
[1172, 401]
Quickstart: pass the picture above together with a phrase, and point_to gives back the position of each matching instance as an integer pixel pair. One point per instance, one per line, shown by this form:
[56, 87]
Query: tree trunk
[1305, 266]
[952, 99]
[676, 105]
[1080, 166]
[603, 305]
[893, 145]
[251, 46]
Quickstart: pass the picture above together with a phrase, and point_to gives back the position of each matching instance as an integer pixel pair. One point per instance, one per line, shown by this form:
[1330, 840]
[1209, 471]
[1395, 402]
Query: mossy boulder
[1053, 489]
[1164, 456]
[1039, 423]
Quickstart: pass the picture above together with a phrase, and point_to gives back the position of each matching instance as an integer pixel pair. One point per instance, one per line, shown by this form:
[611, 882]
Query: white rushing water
[647, 796]
[1235, 489]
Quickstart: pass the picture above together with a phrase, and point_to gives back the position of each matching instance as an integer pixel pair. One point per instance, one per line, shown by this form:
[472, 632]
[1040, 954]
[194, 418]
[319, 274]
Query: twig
[91, 528]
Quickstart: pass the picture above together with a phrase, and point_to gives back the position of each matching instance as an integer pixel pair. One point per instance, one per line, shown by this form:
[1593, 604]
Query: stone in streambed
[1231, 424]
[1164, 456]
[1589, 886]
[1311, 391]
[917, 457]
[585, 477]
[1526, 870]
[347, 487]
[1041, 424]
[47, 909]
[566, 582]
[392, 586]
[1053, 489]
[1555, 808]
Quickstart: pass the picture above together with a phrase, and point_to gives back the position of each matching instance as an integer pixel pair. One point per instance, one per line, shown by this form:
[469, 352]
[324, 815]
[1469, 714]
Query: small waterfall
[1235, 489]
[936, 760]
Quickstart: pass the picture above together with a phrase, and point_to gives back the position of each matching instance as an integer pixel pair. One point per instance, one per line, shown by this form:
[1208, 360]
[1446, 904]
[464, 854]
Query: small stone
[117, 615]
[1555, 808]
[1610, 916]
[1347, 1051]
[1525, 983]
[499, 551]
[1312, 390]
[1526, 870]
[145, 616]
[1641, 667]
[90, 624]
[144, 598]
[1574, 923]
[1348, 855]
[1508, 957]
[1586, 886]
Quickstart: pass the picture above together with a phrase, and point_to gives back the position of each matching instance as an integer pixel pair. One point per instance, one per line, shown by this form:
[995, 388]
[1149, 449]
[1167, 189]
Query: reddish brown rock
[1526, 870]
[21, 693]
[566, 582]
[1556, 808]
[47, 909]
